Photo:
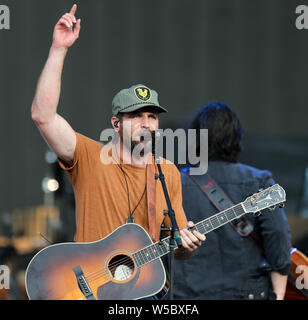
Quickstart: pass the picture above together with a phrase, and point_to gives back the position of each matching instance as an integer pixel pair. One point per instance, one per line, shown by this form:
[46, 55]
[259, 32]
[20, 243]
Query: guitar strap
[221, 201]
[151, 199]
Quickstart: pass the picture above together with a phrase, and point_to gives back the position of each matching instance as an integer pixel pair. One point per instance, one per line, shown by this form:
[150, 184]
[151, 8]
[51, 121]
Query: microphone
[156, 135]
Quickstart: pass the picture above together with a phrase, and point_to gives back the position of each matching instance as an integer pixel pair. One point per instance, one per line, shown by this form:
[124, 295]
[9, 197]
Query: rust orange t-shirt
[101, 194]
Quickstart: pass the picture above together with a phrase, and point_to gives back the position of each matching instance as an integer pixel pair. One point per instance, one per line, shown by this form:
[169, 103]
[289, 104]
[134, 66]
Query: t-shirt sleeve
[84, 146]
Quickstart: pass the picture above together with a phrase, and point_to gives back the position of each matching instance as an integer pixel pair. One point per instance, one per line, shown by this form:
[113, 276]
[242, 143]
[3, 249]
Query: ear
[115, 123]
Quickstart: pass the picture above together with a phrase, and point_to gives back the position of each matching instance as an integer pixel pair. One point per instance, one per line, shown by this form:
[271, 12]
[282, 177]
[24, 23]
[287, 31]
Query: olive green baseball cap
[136, 97]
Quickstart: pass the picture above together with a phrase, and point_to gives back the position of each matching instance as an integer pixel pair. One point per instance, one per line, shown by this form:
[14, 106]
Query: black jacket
[228, 266]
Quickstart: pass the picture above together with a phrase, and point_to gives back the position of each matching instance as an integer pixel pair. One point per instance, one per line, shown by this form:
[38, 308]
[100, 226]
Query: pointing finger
[73, 9]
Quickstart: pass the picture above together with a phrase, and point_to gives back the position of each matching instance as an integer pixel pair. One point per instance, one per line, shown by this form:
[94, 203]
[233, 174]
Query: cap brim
[143, 105]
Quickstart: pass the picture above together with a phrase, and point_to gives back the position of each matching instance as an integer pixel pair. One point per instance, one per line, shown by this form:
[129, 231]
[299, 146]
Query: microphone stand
[175, 237]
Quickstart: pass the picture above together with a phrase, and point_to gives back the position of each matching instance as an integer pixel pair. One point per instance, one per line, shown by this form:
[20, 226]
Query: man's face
[136, 126]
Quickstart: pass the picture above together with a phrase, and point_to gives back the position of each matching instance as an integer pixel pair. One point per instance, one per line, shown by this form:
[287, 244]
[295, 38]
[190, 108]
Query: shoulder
[84, 140]
[249, 174]
[87, 149]
[236, 171]
[227, 172]
[253, 172]
[244, 175]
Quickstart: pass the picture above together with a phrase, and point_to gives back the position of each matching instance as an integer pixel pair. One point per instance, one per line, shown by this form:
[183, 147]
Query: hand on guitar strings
[191, 240]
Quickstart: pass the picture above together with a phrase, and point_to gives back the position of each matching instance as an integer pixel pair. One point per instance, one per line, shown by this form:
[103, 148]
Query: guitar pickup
[83, 283]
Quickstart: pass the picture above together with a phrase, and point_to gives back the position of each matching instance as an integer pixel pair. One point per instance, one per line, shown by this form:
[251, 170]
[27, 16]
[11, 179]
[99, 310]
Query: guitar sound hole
[121, 267]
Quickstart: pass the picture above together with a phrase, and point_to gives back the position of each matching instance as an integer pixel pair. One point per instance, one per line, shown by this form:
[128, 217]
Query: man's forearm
[279, 283]
[46, 99]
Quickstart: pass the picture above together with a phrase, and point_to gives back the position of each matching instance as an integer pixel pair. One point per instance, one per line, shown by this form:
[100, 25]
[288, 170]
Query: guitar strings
[129, 262]
[228, 213]
[106, 270]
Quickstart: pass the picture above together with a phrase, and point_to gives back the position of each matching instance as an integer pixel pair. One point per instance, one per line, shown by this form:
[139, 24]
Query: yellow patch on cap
[143, 93]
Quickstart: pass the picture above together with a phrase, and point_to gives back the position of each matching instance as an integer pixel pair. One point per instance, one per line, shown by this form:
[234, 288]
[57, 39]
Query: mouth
[143, 136]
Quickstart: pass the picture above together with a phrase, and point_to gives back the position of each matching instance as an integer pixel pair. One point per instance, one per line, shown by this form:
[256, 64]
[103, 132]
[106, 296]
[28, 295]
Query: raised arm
[56, 131]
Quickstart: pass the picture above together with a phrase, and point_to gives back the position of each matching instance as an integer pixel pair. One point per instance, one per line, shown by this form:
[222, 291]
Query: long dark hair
[224, 131]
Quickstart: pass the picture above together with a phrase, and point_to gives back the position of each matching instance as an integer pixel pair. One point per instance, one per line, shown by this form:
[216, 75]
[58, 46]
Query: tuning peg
[257, 214]
[282, 205]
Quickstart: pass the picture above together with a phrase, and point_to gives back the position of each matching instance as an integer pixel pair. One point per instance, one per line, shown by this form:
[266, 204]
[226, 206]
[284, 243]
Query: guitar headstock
[265, 199]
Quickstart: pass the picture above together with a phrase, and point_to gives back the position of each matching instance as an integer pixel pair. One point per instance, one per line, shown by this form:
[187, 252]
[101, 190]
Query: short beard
[138, 148]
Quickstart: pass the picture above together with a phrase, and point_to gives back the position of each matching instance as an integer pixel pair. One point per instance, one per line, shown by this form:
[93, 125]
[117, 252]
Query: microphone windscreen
[155, 137]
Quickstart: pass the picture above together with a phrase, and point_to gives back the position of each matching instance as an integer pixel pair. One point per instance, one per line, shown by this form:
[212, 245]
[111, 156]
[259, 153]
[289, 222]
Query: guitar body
[107, 268]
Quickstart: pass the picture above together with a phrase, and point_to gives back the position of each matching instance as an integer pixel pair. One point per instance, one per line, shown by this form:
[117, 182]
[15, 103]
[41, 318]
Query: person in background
[231, 265]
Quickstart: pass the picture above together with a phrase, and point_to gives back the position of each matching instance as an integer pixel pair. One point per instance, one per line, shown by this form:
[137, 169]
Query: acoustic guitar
[124, 265]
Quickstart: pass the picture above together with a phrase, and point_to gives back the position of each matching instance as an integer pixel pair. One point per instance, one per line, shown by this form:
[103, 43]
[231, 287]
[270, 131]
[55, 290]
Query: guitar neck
[220, 219]
[161, 248]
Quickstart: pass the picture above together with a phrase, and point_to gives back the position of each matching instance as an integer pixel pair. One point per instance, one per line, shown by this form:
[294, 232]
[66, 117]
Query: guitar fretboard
[161, 248]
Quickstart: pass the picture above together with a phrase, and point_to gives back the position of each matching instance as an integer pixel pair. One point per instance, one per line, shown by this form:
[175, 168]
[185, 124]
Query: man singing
[109, 194]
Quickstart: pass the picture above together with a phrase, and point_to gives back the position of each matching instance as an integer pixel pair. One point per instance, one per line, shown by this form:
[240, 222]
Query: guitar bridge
[83, 283]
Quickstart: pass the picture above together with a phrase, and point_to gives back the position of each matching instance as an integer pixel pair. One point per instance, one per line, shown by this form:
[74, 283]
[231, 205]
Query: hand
[64, 36]
[191, 240]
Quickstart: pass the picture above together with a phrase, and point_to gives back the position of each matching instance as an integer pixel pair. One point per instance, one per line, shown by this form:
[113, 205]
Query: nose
[145, 122]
